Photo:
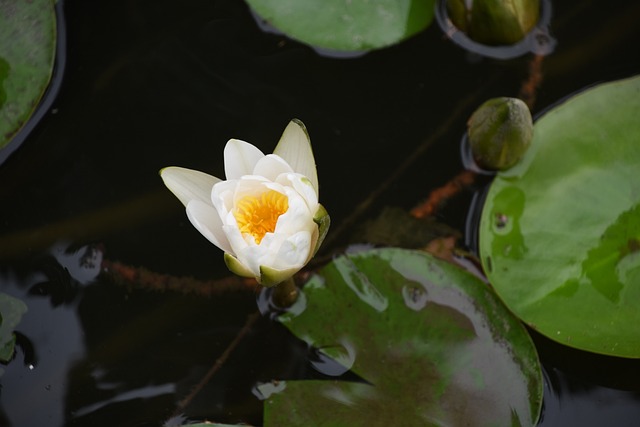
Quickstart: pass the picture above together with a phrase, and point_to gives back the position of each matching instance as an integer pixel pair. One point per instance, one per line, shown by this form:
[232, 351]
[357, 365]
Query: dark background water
[150, 84]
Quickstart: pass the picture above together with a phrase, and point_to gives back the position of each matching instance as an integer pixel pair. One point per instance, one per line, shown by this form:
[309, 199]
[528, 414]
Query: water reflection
[333, 360]
[50, 341]
[360, 284]
[587, 389]
[264, 390]
[570, 401]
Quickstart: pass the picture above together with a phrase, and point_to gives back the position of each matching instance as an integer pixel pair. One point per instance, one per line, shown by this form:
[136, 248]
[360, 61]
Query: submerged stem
[285, 293]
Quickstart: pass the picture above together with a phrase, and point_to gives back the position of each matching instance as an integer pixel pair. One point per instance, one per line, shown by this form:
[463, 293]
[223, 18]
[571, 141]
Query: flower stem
[285, 293]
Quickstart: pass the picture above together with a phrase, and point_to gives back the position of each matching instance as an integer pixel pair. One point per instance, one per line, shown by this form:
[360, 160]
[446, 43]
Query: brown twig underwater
[533, 82]
[144, 278]
[442, 194]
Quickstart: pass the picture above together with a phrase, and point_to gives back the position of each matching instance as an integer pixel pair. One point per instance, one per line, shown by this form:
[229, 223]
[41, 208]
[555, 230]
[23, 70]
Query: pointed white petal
[295, 148]
[222, 196]
[206, 220]
[188, 184]
[294, 251]
[240, 158]
[298, 217]
[302, 185]
[271, 167]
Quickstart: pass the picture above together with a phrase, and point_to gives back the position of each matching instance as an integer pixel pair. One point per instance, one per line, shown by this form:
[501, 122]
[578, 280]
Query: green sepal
[236, 267]
[270, 276]
[323, 220]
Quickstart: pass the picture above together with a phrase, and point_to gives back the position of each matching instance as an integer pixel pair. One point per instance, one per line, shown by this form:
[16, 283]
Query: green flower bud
[500, 132]
[494, 22]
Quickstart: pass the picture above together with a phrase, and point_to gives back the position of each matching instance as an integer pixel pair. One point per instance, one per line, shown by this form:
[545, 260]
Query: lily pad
[11, 311]
[347, 25]
[560, 232]
[432, 343]
[27, 53]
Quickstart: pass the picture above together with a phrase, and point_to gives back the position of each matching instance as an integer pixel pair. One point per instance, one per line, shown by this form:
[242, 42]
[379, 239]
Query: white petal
[188, 184]
[240, 158]
[271, 166]
[252, 256]
[252, 185]
[295, 148]
[303, 186]
[206, 220]
[236, 240]
[222, 196]
[294, 251]
[297, 217]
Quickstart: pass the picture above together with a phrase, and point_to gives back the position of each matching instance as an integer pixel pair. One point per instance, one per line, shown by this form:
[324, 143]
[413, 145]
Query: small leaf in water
[11, 311]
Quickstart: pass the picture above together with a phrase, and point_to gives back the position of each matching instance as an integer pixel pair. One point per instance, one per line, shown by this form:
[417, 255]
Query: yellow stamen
[258, 215]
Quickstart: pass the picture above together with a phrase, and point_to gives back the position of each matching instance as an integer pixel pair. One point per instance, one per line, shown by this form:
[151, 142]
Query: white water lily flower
[265, 216]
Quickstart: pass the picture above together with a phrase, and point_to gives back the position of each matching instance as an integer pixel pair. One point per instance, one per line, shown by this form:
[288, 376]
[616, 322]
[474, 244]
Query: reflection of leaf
[59, 287]
[433, 343]
[11, 311]
[573, 207]
[618, 241]
[347, 25]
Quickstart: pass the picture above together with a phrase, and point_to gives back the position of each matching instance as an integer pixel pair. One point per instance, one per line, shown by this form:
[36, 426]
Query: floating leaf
[433, 343]
[11, 311]
[347, 25]
[560, 232]
[27, 52]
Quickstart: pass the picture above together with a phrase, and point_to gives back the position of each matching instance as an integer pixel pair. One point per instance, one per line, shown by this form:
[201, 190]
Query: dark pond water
[149, 84]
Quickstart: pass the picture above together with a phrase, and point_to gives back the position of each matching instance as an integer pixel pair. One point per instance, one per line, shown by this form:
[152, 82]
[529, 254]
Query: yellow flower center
[258, 215]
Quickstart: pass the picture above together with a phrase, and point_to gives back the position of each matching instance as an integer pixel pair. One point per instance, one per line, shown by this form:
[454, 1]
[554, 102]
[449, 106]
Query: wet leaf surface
[431, 341]
[347, 25]
[27, 52]
[560, 233]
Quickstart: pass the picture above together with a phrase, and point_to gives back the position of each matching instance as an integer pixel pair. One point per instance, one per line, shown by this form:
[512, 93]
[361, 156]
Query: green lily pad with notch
[560, 232]
[27, 54]
[432, 342]
[347, 25]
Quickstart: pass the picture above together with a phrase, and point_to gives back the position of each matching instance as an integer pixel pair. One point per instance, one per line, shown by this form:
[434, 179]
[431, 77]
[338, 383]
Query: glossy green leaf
[27, 52]
[560, 233]
[11, 311]
[433, 343]
[347, 25]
